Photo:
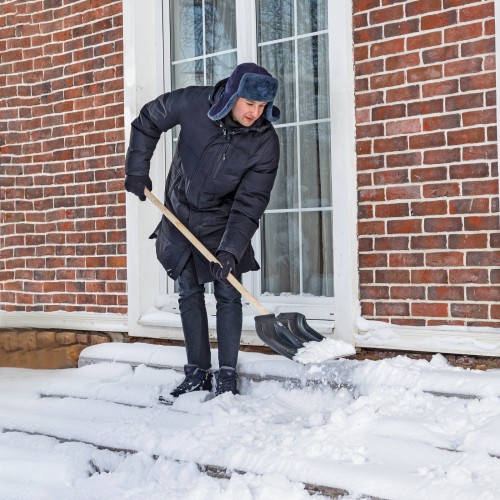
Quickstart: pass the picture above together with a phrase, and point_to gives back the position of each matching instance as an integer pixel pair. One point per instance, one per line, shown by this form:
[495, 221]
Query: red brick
[429, 174]
[424, 141]
[442, 156]
[392, 309]
[371, 227]
[429, 208]
[402, 61]
[369, 99]
[424, 40]
[403, 193]
[370, 163]
[390, 177]
[392, 276]
[486, 258]
[392, 210]
[476, 12]
[386, 48]
[463, 66]
[403, 127]
[469, 310]
[401, 28]
[481, 223]
[425, 73]
[406, 260]
[387, 80]
[446, 293]
[404, 226]
[487, 152]
[425, 107]
[480, 187]
[484, 46]
[443, 224]
[372, 130]
[441, 190]
[444, 259]
[441, 20]
[407, 293]
[478, 82]
[363, 5]
[468, 276]
[418, 8]
[428, 242]
[381, 16]
[429, 276]
[430, 310]
[371, 195]
[404, 160]
[391, 243]
[372, 260]
[468, 241]
[440, 88]
[469, 170]
[388, 112]
[366, 35]
[441, 122]
[469, 206]
[374, 292]
[393, 144]
[406, 93]
[460, 33]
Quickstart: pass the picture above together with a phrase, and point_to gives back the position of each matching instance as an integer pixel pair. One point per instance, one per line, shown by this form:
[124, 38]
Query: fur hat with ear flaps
[248, 81]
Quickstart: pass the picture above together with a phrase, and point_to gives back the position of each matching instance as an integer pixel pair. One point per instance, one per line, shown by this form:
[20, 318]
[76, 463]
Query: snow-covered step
[436, 377]
[209, 470]
[385, 441]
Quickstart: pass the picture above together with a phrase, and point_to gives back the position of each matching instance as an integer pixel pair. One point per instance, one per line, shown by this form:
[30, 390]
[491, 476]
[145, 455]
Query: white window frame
[144, 71]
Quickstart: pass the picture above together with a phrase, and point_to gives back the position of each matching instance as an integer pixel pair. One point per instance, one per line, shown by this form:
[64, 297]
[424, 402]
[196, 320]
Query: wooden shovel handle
[203, 250]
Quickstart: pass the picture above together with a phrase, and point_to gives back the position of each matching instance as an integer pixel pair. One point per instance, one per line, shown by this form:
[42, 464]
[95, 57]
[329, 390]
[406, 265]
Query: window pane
[185, 74]
[313, 82]
[316, 182]
[312, 15]
[280, 253]
[279, 60]
[186, 29]
[220, 25]
[285, 193]
[317, 248]
[274, 20]
[220, 67]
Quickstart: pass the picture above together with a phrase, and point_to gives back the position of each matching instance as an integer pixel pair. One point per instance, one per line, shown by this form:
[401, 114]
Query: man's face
[247, 112]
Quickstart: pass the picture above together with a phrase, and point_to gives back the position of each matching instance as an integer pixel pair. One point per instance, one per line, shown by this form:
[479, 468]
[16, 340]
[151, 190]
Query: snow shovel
[285, 333]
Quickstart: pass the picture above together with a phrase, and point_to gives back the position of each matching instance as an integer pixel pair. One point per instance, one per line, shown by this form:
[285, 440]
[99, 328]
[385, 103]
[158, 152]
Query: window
[295, 242]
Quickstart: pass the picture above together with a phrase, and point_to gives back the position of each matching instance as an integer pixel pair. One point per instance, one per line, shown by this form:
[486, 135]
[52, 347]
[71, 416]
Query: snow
[318, 352]
[379, 428]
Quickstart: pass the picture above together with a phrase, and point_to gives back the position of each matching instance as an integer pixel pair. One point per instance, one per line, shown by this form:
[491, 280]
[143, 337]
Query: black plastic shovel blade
[285, 337]
[299, 327]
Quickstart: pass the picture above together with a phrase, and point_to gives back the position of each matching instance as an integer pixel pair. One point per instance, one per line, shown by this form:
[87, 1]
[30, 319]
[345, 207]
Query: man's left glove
[227, 264]
[136, 183]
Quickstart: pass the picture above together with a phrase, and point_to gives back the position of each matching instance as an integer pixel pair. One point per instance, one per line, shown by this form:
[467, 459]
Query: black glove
[136, 183]
[221, 271]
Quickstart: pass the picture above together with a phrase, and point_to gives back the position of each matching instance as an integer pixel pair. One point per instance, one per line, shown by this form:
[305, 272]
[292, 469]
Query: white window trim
[144, 82]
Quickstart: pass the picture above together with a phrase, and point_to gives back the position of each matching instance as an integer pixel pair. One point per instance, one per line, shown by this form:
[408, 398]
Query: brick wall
[427, 161]
[62, 204]
[47, 349]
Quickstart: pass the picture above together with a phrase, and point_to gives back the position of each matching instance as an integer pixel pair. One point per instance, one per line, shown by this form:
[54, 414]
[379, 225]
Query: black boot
[196, 380]
[227, 380]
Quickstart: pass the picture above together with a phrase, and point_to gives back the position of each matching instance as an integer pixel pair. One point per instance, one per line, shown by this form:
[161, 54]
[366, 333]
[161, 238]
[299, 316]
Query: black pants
[229, 318]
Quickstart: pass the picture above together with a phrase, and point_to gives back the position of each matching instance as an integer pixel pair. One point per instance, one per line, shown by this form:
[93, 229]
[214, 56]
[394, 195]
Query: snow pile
[377, 433]
[318, 352]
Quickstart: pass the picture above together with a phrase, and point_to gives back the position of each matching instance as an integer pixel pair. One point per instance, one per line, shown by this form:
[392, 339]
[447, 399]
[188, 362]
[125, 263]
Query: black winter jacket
[220, 179]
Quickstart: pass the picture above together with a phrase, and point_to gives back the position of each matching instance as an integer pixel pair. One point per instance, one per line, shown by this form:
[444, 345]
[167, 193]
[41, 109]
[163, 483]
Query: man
[219, 185]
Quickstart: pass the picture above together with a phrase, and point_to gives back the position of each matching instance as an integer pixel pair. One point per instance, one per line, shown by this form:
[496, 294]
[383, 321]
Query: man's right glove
[136, 183]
